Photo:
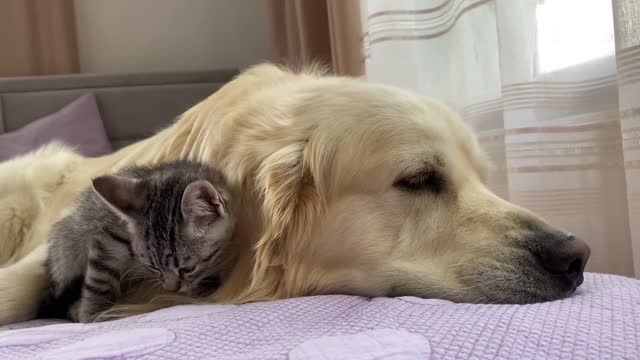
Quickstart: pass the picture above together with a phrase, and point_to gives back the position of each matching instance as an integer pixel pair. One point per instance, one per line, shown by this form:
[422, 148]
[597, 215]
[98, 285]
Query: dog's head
[371, 190]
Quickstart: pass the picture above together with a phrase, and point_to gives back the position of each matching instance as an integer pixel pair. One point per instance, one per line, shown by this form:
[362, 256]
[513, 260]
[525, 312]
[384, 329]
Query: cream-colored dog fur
[314, 162]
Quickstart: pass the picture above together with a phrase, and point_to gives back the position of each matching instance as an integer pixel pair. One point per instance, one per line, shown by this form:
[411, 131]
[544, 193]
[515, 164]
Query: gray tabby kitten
[168, 222]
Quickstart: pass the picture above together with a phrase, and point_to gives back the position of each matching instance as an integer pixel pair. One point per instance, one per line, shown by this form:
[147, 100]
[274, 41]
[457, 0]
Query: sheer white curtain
[552, 88]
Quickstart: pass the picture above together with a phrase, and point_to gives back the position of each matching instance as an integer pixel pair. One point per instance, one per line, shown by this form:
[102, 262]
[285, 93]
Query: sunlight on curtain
[552, 88]
[587, 37]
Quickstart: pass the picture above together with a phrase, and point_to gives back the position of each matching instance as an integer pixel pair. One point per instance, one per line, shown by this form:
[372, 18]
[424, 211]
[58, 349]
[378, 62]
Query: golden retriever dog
[341, 186]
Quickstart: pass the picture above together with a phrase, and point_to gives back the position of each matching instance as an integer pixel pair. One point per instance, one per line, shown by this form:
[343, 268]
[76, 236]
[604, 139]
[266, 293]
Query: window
[572, 32]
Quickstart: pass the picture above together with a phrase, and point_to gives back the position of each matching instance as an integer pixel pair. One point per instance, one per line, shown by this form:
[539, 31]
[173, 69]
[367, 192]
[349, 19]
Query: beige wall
[159, 35]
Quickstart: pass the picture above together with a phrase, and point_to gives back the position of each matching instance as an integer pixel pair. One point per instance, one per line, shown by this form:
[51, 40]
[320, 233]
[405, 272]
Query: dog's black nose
[565, 256]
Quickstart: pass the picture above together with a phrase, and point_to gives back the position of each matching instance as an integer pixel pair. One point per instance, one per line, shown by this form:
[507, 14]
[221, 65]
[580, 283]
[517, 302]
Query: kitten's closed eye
[211, 256]
[186, 270]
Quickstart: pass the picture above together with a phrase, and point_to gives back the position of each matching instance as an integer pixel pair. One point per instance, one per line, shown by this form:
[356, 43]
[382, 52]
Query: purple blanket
[602, 321]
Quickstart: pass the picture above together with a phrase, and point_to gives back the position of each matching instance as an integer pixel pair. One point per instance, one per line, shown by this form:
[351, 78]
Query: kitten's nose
[170, 281]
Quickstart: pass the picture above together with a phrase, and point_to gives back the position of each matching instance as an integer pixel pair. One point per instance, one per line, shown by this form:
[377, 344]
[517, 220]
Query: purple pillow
[78, 124]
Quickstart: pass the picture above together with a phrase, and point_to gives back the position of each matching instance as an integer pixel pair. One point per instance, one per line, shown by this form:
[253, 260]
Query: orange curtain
[37, 38]
[329, 32]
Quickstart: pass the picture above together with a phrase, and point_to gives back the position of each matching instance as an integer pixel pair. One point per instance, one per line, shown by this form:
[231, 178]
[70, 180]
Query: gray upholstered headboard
[132, 106]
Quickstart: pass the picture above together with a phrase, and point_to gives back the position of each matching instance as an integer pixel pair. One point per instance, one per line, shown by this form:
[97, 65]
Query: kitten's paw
[84, 312]
[84, 317]
[74, 312]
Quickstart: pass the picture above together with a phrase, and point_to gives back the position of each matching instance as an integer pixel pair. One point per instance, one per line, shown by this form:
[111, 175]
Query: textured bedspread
[602, 321]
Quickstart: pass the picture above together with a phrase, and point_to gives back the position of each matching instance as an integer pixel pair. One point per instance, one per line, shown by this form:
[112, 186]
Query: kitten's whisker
[131, 270]
[220, 263]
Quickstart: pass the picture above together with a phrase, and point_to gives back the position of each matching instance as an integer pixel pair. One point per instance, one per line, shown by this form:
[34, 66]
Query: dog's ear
[289, 199]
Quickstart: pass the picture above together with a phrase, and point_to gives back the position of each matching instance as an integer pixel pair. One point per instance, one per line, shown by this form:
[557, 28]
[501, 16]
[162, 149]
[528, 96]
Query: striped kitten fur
[168, 223]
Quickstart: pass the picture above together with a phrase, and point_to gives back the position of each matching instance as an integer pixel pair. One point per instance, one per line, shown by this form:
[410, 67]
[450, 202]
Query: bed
[132, 106]
[601, 321]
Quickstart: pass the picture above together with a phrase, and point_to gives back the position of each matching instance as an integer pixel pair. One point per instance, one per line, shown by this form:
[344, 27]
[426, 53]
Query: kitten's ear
[123, 194]
[201, 199]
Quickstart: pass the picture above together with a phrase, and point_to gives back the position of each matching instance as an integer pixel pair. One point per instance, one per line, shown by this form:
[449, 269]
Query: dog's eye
[431, 182]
